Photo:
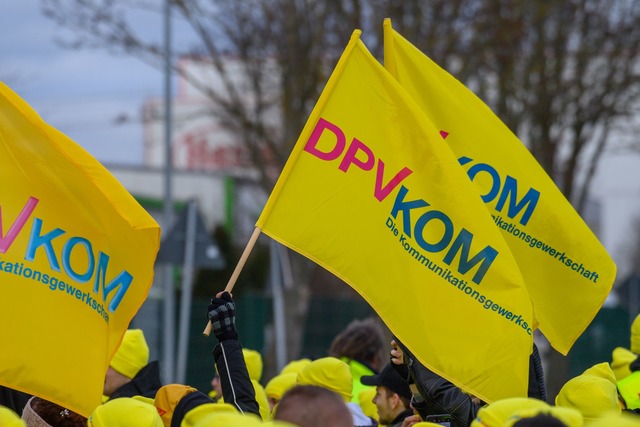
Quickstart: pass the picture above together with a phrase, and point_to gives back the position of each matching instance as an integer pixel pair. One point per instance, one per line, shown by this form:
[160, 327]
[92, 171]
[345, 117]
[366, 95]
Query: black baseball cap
[390, 379]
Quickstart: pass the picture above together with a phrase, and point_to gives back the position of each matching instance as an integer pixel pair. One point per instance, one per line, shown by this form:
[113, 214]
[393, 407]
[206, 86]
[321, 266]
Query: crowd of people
[363, 382]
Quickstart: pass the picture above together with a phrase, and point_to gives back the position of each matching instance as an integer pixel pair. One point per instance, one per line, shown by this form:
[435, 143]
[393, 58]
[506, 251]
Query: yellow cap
[330, 373]
[132, 355]
[593, 393]
[194, 416]
[125, 412]
[496, 413]
[253, 360]
[295, 366]
[621, 358]
[279, 384]
[8, 418]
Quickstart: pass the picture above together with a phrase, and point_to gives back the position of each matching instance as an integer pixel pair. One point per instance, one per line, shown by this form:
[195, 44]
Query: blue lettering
[510, 191]
[120, 283]
[462, 244]
[66, 259]
[406, 207]
[36, 240]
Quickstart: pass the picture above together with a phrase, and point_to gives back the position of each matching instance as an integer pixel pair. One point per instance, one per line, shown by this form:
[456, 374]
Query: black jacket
[234, 377]
[439, 396]
[146, 383]
[13, 399]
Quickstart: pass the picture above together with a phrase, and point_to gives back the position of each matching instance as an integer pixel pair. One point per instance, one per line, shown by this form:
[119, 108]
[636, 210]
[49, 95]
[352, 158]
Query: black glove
[222, 314]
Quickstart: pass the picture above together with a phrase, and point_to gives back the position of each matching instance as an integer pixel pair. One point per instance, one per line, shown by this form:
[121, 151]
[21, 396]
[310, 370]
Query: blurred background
[195, 105]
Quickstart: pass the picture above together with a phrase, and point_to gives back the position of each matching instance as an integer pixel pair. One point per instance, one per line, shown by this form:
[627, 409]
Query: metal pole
[187, 287]
[278, 306]
[169, 297]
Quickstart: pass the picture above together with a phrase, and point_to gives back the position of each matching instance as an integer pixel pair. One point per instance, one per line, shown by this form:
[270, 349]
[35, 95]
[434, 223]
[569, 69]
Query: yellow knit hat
[8, 418]
[635, 335]
[593, 393]
[621, 358]
[125, 412]
[261, 398]
[253, 360]
[330, 373]
[495, 414]
[568, 416]
[194, 416]
[365, 399]
[132, 355]
[295, 366]
[279, 384]
[168, 397]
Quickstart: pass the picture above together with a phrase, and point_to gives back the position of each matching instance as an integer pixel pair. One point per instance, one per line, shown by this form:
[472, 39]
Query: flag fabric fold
[567, 271]
[76, 261]
[372, 193]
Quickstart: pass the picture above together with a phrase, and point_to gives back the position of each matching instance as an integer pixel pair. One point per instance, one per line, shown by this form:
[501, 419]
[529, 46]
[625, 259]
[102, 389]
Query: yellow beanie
[125, 412]
[568, 416]
[495, 414]
[168, 397]
[295, 366]
[621, 358]
[330, 373]
[194, 416]
[253, 360]
[279, 384]
[8, 418]
[132, 355]
[635, 335]
[593, 393]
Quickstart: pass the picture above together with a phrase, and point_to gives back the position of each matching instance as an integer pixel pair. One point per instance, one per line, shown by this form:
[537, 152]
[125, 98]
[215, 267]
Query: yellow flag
[568, 273]
[76, 261]
[372, 194]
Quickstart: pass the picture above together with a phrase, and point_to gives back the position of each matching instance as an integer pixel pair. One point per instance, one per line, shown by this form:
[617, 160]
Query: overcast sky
[80, 93]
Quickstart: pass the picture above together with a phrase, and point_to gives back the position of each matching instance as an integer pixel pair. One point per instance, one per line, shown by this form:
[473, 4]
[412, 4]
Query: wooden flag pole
[238, 269]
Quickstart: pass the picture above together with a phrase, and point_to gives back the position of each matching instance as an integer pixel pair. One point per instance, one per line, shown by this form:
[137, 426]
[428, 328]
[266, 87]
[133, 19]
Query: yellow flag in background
[568, 273]
[372, 194]
[76, 261]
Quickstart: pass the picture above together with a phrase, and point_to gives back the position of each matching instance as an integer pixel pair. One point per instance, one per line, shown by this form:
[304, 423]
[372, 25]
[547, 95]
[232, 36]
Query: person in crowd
[593, 393]
[499, 412]
[360, 345]
[125, 412]
[235, 383]
[545, 417]
[313, 406]
[392, 397]
[130, 373]
[41, 413]
[622, 358]
[435, 395]
[335, 375]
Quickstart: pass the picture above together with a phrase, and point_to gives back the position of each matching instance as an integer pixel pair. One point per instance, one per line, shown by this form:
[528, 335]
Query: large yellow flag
[76, 261]
[372, 194]
[568, 273]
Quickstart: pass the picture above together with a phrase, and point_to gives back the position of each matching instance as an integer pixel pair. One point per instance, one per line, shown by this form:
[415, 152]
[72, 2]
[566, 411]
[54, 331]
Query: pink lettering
[310, 147]
[350, 157]
[16, 227]
[381, 192]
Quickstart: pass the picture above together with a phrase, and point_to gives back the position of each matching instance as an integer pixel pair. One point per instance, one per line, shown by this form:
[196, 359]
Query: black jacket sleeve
[234, 377]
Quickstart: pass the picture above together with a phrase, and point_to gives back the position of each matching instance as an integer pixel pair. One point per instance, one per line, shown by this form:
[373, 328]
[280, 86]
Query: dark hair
[56, 415]
[540, 420]
[313, 406]
[361, 340]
